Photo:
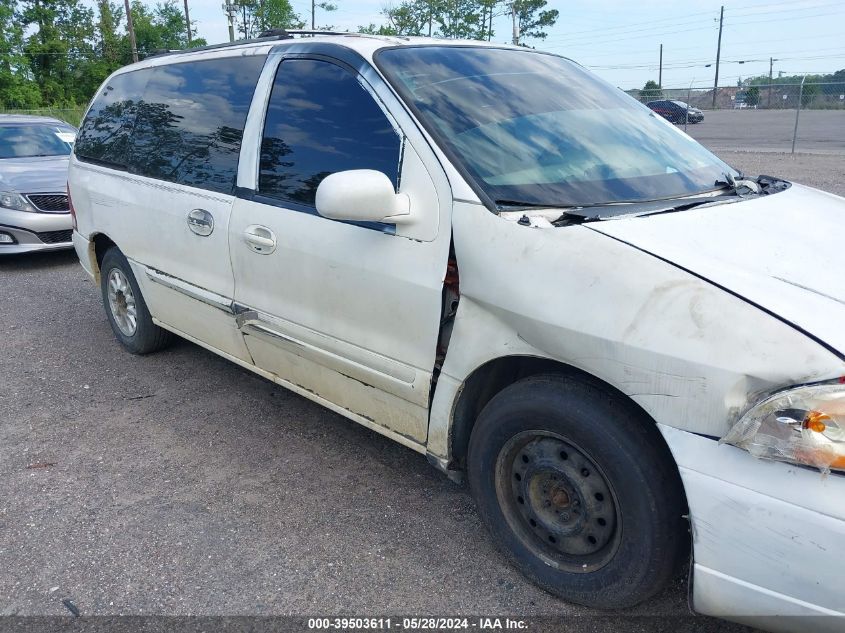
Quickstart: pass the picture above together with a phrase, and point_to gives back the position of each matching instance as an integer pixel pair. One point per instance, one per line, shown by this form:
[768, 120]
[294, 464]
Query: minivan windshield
[25, 140]
[537, 129]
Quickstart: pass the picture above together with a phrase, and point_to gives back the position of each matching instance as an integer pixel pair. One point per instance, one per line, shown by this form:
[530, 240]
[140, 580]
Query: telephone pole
[772, 61]
[188, 22]
[230, 10]
[718, 54]
[313, 8]
[660, 74]
[131, 29]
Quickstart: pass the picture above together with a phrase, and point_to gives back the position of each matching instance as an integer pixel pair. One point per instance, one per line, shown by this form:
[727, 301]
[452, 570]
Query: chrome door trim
[195, 292]
[350, 360]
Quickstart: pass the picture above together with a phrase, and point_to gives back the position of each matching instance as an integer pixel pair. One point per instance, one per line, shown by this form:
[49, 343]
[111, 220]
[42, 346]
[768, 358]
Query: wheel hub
[560, 500]
[122, 302]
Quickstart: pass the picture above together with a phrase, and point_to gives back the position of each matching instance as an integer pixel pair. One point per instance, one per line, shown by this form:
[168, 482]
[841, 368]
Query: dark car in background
[676, 111]
[34, 210]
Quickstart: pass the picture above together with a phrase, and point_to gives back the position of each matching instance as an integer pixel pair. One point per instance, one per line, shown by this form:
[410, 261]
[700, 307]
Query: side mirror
[362, 195]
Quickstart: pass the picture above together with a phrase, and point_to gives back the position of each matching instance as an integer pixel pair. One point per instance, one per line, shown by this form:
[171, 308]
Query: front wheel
[126, 309]
[579, 491]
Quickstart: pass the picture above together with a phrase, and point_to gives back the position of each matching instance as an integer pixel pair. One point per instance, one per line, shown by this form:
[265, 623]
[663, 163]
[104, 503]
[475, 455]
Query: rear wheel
[126, 309]
[579, 491]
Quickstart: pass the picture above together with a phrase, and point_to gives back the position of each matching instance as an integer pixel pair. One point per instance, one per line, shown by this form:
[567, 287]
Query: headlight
[15, 201]
[805, 425]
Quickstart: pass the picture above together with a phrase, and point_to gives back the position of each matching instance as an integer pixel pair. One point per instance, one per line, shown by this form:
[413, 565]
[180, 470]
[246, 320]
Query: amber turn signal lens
[815, 421]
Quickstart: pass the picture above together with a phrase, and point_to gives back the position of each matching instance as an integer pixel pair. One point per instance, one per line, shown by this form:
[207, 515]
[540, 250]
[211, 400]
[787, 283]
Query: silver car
[34, 210]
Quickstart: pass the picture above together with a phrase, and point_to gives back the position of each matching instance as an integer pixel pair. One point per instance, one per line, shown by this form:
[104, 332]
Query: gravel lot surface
[819, 131]
[824, 171]
[180, 484]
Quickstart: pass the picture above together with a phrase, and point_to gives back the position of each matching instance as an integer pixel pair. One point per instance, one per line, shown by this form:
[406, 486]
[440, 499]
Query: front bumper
[35, 231]
[768, 537]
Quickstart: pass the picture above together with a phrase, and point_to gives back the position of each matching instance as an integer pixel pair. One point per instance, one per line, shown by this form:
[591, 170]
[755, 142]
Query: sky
[619, 40]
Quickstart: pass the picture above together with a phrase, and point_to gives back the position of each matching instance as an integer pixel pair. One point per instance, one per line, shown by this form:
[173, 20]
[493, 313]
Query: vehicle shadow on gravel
[35, 261]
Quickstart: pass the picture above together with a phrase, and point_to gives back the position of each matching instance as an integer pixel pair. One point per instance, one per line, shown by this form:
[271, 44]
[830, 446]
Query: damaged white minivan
[634, 352]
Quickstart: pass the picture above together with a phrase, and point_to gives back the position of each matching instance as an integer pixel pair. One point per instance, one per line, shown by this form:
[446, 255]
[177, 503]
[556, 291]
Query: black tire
[146, 337]
[641, 536]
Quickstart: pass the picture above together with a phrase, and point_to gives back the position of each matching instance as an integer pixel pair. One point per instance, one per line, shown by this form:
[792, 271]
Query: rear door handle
[200, 222]
[260, 239]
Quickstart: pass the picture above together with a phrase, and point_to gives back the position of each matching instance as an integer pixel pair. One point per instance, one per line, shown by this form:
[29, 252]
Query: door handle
[260, 239]
[200, 222]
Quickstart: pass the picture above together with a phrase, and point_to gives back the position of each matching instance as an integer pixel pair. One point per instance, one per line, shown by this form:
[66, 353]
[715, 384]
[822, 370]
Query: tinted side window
[191, 120]
[320, 120]
[104, 135]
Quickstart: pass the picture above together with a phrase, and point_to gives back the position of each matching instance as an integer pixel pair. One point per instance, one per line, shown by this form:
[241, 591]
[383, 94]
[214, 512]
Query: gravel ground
[178, 483]
[819, 131]
[823, 171]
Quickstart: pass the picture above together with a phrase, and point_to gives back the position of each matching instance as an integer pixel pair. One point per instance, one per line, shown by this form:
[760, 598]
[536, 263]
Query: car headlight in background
[15, 201]
[804, 425]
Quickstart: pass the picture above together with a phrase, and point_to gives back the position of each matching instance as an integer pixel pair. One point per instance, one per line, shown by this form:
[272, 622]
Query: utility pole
[230, 9]
[718, 54]
[515, 24]
[313, 8]
[131, 28]
[659, 76]
[188, 22]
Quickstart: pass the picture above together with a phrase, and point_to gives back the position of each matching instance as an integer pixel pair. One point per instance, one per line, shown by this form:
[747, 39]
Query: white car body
[692, 315]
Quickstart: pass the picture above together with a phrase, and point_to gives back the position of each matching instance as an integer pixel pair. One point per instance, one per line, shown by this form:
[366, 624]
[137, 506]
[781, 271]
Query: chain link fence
[793, 117]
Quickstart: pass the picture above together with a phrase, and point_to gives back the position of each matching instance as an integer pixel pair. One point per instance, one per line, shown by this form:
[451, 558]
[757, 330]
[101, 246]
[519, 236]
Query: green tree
[651, 90]
[752, 96]
[160, 28]
[533, 18]
[466, 19]
[382, 29]
[413, 17]
[60, 47]
[260, 15]
[17, 89]
[459, 19]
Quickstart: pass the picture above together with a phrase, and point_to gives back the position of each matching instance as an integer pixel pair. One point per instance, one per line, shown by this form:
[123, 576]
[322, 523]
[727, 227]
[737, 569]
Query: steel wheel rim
[558, 501]
[122, 304]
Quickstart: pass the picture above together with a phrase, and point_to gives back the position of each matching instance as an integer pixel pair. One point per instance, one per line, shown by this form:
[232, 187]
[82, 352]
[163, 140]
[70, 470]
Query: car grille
[49, 202]
[55, 237]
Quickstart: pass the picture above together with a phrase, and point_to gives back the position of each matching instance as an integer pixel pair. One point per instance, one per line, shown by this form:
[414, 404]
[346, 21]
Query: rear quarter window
[191, 120]
[105, 133]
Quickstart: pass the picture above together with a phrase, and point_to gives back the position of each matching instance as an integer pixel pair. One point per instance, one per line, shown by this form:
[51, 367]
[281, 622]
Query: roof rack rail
[266, 36]
[281, 34]
[314, 32]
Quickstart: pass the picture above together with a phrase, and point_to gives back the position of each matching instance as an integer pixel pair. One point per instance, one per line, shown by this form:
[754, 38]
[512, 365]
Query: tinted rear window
[104, 136]
[191, 120]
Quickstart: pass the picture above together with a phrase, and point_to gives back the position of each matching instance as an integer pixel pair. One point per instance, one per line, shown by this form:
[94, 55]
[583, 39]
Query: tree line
[465, 19]
[56, 53]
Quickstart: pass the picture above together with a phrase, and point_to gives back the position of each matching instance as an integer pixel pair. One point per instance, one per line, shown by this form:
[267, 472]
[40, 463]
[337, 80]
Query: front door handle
[260, 239]
[200, 222]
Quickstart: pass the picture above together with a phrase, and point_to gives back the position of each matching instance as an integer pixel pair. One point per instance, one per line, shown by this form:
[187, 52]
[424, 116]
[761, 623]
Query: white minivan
[632, 351]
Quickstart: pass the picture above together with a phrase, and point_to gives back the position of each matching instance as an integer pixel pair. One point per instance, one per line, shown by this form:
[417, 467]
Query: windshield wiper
[504, 205]
[596, 213]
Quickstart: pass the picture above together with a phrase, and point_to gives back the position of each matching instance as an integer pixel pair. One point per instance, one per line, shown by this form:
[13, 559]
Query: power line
[650, 23]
